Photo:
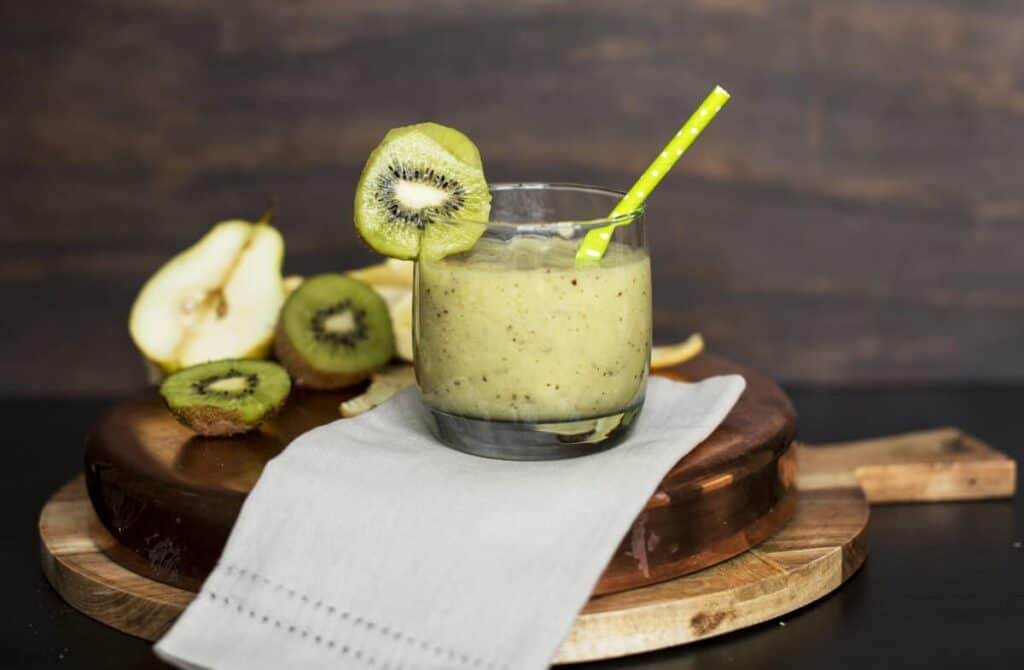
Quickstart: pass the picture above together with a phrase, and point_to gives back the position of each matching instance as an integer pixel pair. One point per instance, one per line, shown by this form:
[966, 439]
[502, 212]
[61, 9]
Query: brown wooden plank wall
[856, 214]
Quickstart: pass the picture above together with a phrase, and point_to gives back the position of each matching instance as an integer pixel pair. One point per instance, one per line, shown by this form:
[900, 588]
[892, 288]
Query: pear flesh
[218, 299]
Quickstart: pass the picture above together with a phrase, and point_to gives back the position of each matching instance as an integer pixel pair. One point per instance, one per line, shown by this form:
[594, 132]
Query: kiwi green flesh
[441, 239]
[334, 331]
[226, 397]
[416, 176]
[453, 141]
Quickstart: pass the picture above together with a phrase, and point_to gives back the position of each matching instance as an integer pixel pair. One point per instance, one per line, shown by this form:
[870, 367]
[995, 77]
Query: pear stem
[268, 214]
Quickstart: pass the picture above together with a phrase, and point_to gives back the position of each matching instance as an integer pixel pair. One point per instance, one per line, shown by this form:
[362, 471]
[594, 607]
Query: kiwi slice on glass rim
[334, 331]
[226, 397]
[422, 193]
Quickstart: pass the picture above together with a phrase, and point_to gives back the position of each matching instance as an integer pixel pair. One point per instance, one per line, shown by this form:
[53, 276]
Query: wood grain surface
[854, 215]
[170, 498]
[925, 466]
[824, 544]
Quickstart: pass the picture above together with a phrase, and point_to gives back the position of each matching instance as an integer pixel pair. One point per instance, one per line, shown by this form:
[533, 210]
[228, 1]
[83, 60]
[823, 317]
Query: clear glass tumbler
[520, 353]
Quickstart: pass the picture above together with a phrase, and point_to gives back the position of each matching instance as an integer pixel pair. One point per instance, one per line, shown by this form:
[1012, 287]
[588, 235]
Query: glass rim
[583, 224]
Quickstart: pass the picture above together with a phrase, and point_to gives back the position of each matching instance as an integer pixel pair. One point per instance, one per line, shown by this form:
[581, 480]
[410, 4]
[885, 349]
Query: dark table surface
[942, 587]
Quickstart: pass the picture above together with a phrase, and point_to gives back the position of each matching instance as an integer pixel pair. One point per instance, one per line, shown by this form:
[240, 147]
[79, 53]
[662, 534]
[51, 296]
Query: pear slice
[383, 385]
[217, 299]
[292, 282]
[401, 324]
[675, 354]
[399, 300]
[393, 295]
[392, 272]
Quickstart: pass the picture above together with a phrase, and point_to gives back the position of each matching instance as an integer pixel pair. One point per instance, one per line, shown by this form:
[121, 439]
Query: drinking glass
[520, 352]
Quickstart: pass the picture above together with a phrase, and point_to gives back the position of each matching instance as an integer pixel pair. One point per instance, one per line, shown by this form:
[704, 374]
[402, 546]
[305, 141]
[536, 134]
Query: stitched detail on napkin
[291, 629]
[342, 614]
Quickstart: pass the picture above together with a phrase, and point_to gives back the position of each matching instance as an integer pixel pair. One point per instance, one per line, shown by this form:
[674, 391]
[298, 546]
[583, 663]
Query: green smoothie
[515, 331]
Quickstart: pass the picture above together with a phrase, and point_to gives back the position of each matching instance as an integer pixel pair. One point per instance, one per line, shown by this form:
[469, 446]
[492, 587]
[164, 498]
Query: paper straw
[596, 241]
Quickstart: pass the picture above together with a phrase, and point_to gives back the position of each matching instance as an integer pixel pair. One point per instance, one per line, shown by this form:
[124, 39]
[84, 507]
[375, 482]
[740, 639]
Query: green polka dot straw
[596, 241]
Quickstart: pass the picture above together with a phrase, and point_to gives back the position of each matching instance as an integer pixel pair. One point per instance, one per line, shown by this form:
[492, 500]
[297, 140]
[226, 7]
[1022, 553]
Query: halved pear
[217, 299]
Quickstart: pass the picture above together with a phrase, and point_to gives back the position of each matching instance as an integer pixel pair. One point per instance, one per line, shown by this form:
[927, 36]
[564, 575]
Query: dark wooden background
[856, 215]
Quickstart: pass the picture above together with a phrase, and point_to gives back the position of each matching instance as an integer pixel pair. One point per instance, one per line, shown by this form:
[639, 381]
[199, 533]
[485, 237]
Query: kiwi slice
[417, 176]
[334, 331]
[226, 397]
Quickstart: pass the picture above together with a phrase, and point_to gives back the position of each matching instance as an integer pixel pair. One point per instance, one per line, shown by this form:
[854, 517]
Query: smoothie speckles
[578, 339]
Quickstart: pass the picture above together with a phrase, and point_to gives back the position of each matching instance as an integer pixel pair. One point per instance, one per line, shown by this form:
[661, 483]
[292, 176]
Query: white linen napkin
[367, 544]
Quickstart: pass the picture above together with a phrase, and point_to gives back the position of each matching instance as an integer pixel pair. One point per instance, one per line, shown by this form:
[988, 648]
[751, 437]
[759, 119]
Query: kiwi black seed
[453, 202]
[334, 331]
[422, 192]
[226, 397]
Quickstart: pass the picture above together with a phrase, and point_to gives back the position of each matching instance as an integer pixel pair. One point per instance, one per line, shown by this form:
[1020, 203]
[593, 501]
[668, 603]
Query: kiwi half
[226, 397]
[418, 176]
[334, 331]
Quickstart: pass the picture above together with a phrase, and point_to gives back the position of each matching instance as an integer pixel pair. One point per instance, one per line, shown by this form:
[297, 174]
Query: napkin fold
[367, 544]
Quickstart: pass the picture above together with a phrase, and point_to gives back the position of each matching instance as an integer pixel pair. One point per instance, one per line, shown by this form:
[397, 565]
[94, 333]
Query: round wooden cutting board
[131, 541]
[823, 544]
[170, 498]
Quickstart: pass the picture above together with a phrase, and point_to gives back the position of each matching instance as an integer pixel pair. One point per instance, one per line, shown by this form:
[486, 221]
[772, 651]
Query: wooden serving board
[823, 544]
[818, 550]
[731, 538]
[170, 498]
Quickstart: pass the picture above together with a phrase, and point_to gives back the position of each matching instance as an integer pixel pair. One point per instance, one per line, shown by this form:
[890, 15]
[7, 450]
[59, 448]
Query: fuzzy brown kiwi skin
[215, 422]
[305, 375]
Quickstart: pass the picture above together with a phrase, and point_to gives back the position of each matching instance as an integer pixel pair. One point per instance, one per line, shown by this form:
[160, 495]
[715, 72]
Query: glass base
[533, 441]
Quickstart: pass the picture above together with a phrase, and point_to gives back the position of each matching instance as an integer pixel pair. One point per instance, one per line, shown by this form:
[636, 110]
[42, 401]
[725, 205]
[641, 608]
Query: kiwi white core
[235, 384]
[416, 195]
[340, 323]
